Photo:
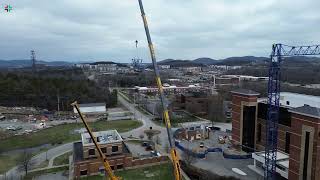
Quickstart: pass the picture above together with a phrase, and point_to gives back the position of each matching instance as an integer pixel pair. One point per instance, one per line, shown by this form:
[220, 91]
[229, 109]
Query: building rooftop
[307, 111]
[246, 92]
[92, 104]
[103, 137]
[298, 100]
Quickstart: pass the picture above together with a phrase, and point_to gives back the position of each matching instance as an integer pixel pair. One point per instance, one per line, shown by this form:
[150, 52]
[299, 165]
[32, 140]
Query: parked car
[14, 128]
[11, 128]
[2, 117]
[155, 153]
[145, 144]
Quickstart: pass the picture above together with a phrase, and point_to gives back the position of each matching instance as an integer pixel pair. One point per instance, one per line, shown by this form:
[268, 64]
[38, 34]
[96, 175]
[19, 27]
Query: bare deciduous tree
[25, 161]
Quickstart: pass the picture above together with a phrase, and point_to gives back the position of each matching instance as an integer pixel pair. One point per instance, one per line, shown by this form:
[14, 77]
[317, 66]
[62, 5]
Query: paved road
[146, 120]
[15, 173]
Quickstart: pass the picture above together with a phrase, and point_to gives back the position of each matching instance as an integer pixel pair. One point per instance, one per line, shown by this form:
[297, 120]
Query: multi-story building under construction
[298, 156]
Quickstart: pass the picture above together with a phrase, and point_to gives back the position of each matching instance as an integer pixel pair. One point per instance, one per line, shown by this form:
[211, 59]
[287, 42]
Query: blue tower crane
[279, 51]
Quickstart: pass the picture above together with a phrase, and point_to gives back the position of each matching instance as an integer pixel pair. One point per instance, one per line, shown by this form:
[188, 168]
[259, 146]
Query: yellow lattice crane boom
[102, 156]
[173, 152]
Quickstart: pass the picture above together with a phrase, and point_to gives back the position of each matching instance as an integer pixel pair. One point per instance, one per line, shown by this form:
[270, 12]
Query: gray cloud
[79, 30]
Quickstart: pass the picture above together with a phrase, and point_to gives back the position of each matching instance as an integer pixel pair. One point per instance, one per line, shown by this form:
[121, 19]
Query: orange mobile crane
[173, 152]
[102, 156]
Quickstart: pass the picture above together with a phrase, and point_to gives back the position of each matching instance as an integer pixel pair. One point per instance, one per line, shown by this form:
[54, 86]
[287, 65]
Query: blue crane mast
[279, 51]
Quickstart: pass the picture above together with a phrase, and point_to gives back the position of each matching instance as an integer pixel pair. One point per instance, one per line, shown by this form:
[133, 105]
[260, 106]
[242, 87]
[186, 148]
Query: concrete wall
[281, 135]
[94, 166]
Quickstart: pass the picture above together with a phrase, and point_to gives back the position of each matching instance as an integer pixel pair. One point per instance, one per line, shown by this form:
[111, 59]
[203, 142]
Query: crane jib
[174, 155]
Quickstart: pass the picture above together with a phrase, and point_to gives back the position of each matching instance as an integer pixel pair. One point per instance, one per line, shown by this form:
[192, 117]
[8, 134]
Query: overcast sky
[90, 30]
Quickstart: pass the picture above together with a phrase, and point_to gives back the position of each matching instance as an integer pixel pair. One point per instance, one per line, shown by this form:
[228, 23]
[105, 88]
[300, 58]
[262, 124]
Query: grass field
[157, 172]
[31, 175]
[63, 159]
[62, 134]
[55, 135]
[8, 161]
[42, 165]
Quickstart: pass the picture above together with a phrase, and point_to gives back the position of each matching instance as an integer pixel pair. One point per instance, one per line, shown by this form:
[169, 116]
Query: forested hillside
[44, 88]
[308, 74]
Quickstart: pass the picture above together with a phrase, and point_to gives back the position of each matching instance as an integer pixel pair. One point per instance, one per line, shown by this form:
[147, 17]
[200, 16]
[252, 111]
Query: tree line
[300, 74]
[46, 89]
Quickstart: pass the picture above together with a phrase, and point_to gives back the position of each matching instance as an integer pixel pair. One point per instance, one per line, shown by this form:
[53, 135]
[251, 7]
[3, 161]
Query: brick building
[298, 132]
[86, 160]
[196, 103]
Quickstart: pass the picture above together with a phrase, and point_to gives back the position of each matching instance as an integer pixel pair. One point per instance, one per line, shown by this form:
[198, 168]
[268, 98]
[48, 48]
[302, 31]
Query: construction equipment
[136, 61]
[33, 61]
[173, 152]
[278, 52]
[102, 156]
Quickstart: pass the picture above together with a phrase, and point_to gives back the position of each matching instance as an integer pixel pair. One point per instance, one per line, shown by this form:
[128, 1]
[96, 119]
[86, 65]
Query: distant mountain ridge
[241, 61]
[27, 63]
[203, 61]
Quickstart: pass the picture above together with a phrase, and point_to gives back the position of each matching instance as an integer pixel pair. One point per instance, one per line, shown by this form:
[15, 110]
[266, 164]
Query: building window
[306, 157]
[83, 172]
[119, 166]
[92, 152]
[104, 150]
[259, 132]
[287, 148]
[262, 111]
[112, 167]
[115, 148]
[288, 103]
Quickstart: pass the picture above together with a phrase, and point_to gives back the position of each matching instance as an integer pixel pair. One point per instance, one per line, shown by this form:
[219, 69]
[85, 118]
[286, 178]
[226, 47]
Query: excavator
[173, 153]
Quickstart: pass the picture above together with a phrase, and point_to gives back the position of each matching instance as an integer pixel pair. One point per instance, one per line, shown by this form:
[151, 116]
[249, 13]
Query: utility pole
[58, 98]
[33, 61]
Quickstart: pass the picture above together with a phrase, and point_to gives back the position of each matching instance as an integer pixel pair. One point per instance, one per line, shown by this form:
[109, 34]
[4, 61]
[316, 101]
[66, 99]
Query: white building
[247, 78]
[164, 66]
[224, 67]
[192, 69]
[92, 108]
[171, 89]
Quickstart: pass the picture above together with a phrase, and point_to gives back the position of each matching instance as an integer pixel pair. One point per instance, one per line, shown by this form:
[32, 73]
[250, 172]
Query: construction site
[190, 122]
